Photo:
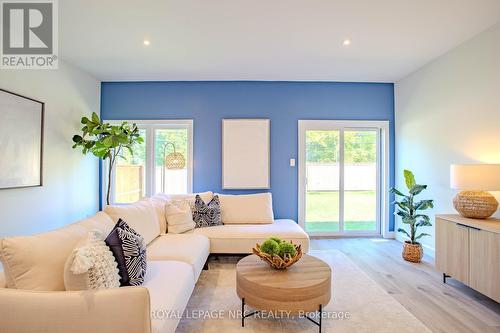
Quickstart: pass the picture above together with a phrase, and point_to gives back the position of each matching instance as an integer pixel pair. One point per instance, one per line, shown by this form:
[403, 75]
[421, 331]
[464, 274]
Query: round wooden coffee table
[303, 287]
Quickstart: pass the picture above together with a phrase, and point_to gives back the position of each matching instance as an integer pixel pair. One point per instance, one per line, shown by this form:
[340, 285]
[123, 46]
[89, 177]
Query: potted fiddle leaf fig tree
[106, 141]
[410, 211]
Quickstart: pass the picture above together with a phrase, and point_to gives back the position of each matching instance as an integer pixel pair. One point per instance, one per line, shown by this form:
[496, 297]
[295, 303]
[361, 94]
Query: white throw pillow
[91, 265]
[179, 216]
[158, 201]
[247, 208]
[140, 216]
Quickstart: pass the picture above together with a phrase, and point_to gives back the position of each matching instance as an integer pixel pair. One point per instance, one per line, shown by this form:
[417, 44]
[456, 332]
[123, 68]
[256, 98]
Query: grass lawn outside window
[322, 211]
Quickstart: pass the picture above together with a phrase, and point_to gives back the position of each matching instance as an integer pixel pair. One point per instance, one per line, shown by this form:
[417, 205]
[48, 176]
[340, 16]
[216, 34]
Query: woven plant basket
[412, 252]
[277, 262]
[475, 204]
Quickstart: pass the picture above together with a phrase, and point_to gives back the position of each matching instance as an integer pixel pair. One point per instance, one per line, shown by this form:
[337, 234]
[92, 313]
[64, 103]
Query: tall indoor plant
[409, 209]
[106, 141]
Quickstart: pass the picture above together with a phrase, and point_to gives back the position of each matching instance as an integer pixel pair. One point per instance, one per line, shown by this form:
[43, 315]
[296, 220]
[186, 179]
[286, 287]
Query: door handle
[468, 226]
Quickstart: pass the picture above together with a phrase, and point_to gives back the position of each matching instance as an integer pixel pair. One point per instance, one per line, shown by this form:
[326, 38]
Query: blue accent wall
[207, 103]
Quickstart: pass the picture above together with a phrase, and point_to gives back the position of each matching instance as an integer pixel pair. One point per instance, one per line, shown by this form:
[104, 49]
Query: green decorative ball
[287, 248]
[270, 247]
[276, 239]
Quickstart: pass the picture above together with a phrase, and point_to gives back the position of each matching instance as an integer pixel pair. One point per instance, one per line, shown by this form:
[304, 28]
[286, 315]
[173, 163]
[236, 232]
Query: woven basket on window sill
[412, 252]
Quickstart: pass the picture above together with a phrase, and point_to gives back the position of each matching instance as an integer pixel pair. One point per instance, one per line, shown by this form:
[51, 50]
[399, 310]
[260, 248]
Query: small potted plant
[409, 210]
[279, 254]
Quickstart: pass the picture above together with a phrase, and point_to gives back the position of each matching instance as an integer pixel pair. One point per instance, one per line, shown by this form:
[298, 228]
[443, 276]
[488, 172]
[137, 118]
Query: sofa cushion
[179, 216]
[91, 265]
[140, 216]
[189, 248]
[129, 250]
[36, 262]
[158, 202]
[247, 208]
[241, 238]
[207, 214]
[170, 284]
[160, 199]
[100, 221]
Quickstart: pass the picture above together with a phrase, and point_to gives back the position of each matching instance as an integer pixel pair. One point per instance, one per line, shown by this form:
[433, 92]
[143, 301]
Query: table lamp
[473, 180]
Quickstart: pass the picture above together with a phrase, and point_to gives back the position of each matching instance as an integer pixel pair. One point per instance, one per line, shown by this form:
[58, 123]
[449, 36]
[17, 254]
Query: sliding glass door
[339, 177]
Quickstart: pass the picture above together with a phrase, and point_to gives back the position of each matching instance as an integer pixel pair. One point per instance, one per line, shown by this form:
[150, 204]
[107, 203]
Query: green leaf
[77, 138]
[393, 190]
[424, 204]
[409, 179]
[424, 217]
[403, 206]
[421, 235]
[403, 231]
[108, 141]
[403, 214]
[85, 120]
[123, 139]
[95, 118]
[409, 220]
[416, 189]
[424, 224]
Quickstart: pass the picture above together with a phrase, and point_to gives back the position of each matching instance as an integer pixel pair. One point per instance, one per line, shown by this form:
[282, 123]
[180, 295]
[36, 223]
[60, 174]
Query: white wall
[449, 112]
[70, 189]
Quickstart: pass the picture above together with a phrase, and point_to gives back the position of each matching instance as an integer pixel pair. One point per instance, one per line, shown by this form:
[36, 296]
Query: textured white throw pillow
[179, 216]
[91, 265]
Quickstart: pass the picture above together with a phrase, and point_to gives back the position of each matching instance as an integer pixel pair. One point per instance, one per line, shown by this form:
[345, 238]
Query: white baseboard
[390, 234]
[430, 250]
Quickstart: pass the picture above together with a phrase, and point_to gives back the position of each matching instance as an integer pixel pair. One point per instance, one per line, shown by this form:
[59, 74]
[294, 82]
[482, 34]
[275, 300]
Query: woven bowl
[277, 262]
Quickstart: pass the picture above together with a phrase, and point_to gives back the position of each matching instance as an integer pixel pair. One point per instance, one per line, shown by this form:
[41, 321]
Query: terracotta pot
[412, 252]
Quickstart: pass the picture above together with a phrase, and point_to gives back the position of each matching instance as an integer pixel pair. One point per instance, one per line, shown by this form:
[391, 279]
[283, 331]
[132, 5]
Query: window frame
[150, 126]
[383, 170]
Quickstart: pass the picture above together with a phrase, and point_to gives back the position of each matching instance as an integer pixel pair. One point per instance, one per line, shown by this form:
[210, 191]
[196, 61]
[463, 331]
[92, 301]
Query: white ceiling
[287, 40]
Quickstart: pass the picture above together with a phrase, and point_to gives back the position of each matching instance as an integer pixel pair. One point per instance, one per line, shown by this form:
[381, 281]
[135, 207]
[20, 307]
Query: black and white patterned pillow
[206, 214]
[129, 250]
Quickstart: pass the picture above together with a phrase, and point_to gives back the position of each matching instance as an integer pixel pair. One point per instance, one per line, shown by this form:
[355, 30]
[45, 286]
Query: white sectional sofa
[32, 294]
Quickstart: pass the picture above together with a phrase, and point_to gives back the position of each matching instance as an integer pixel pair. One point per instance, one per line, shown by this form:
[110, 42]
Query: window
[146, 172]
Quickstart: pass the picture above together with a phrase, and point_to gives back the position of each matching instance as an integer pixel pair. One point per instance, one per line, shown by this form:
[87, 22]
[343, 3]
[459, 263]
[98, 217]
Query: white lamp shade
[485, 177]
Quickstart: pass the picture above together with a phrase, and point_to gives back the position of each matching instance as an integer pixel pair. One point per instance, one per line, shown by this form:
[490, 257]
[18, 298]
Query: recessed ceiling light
[146, 42]
[346, 42]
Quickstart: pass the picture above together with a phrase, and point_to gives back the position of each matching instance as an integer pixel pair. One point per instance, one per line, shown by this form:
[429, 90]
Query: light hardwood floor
[451, 307]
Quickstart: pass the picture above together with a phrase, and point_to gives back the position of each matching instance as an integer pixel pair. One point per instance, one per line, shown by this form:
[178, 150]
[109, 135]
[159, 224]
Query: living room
[239, 166]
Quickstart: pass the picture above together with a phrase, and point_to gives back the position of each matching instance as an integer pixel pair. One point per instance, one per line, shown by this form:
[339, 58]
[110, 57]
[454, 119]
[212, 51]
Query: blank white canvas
[245, 153]
[20, 141]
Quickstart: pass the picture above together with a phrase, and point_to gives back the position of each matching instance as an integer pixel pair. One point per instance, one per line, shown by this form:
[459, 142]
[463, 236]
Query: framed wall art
[21, 141]
[245, 153]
